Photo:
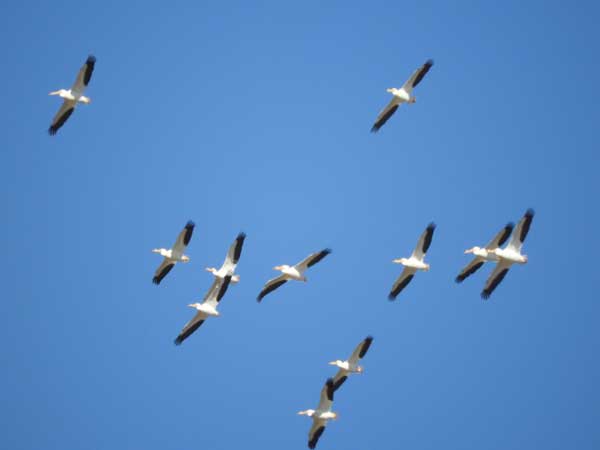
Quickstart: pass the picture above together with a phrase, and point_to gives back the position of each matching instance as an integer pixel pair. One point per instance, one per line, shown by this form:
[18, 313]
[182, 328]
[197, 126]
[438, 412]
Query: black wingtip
[52, 131]
[374, 129]
[190, 224]
[327, 251]
[429, 62]
[369, 338]
[178, 340]
[91, 59]
[431, 226]
[241, 235]
[391, 297]
[459, 279]
[485, 295]
[156, 280]
[530, 213]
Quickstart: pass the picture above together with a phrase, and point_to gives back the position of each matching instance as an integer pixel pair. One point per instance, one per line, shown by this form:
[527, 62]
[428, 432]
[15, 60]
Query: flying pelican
[351, 364]
[295, 272]
[414, 263]
[175, 254]
[509, 255]
[207, 308]
[321, 415]
[73, 96]
[231, 260]
[484, 254]
[402, 95]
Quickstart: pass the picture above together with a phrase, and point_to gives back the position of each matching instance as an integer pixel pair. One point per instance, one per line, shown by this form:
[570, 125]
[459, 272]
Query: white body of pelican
[208, 308]
[509, 255]
[295, 272]
[73, 96]
[231, 260]
[321, 415]
[175, 254]
[484, 254]
[414, 263]
[402, 95]
[351, 365]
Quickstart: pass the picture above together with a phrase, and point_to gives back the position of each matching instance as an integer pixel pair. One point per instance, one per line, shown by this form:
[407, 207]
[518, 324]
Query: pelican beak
[332, 363]
[469, 250]
[191, 305]
[54, 93]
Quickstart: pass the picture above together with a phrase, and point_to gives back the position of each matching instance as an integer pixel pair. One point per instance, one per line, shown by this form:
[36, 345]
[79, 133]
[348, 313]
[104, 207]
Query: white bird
[73, 96]
[483, 255]
[321, 415]
[414, 263]
[175, 254]
[402, 95]
[231, 260]
[206, 309]
[351, 365]
[509, 255]
[295, 272]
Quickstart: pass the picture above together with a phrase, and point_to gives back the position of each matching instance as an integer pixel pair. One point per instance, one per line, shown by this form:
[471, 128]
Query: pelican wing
[184, 237]
[312, 259]
[326, 399]
[520, 232]
[494, 279]
[271, 286]
[470, 269]
[162, 271]
[315, 432]
[385, 114]
[424, 242]
[417, 76]
[61, 116]
[234, 253]
[501, 237]
[361, 350]
[339, 378]
[217, 290]
[85, 74]
[190, 327]
[402, 281]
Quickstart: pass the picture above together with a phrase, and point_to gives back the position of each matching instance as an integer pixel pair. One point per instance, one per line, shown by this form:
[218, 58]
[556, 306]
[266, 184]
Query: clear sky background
[256, 118]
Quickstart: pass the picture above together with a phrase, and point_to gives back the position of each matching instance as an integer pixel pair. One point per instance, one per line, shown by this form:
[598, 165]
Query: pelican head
[281, 268]
[412, 100]
[360, 369]
[525, 258]
[84, 99]
[400, 261]
[59, 92]
[308, 412]
[156, 250]
[211, 270]
[426, 268]
[185, 259]
[472, 250]
[392, 90]
[194, 305]
[337, 363]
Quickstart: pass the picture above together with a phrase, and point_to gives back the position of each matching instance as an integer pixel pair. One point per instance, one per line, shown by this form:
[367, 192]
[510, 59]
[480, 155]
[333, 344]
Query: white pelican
[175, 254]
[231, 260]
[321, 415]
[484, 254]
[351, 364]
[402, 95]
[207, 308]
[295, 272]
[73, 96]
[414, 263]
[509, 255]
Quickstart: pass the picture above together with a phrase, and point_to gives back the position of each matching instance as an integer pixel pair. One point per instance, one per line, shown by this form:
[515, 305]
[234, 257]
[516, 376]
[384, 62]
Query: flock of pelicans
[224, 276]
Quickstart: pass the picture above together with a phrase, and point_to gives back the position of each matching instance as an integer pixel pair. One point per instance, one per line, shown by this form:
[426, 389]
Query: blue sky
[256, 118]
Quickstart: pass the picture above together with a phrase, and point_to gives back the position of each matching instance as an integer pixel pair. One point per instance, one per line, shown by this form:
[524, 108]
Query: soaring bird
[483, 255]
[231, 260]
[351, 364]
[414, 263]
[207, 308]
[175, 254]
[73, 96]
[321, 415]
[509, 255]
[402, 95]
[295, 272]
